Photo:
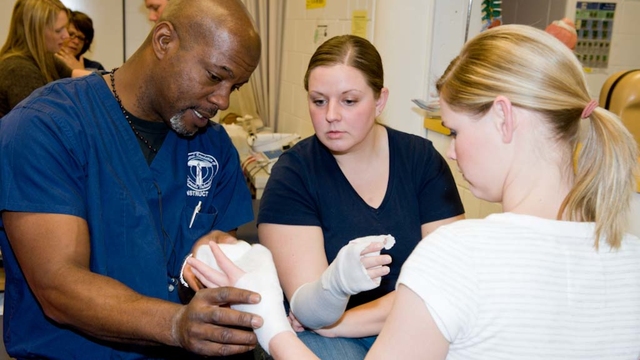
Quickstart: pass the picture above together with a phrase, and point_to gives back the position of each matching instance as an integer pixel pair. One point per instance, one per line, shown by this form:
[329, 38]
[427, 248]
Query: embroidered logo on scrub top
[202, 169]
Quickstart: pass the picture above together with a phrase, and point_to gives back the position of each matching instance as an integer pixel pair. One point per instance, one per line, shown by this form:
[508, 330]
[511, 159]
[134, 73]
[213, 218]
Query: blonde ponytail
[605, 178]
[539, 73]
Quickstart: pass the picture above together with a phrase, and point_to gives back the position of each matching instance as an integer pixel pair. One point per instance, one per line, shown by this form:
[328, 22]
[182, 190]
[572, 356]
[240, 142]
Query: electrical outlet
[321, 34]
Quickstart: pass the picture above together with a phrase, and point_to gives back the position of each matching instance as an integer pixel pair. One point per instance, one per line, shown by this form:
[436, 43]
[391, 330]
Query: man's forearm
[106, 309]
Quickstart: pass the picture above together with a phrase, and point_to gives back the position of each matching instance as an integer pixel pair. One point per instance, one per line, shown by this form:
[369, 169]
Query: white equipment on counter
[259, 148]
[272, 141]
[266, 148]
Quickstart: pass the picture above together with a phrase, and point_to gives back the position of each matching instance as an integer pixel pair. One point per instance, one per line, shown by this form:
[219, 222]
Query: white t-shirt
[520, 287]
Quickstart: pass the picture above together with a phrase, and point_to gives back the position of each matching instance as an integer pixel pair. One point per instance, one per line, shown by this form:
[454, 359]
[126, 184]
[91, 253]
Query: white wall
[5, 18]
[137, 26]
[403, 30]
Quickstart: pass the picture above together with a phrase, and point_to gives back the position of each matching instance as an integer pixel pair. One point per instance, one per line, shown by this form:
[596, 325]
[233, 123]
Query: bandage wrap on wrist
[184, 263]
[261, 277]
[322, 302]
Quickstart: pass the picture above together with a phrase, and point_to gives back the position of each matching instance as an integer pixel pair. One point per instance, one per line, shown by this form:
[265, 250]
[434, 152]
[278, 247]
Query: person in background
[556, 276]
[37, 31]
[155, 8]
[79, 41]
[109, 181]
[354, 178]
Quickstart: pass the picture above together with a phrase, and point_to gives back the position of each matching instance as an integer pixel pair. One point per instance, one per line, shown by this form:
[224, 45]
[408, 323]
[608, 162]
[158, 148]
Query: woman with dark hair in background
[79, 41]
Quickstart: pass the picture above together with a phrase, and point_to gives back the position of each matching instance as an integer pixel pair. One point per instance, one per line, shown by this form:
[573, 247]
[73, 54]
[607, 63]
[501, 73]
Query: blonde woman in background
[556, 276]
[37, 31]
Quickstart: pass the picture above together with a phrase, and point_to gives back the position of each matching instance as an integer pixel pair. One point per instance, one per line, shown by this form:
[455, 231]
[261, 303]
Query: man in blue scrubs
[109, 181]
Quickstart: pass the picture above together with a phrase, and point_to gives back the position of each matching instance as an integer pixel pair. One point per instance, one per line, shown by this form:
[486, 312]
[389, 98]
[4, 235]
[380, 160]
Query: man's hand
[207, 327]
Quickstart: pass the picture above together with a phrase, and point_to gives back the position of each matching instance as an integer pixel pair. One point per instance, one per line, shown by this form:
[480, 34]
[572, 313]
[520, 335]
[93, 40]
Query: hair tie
[589, 109]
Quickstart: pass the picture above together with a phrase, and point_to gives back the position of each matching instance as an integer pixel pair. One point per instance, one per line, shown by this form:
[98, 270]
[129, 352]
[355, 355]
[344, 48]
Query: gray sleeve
[19, 79]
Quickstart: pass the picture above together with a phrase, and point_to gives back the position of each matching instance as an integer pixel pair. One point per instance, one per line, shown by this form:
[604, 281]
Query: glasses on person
[80, 37]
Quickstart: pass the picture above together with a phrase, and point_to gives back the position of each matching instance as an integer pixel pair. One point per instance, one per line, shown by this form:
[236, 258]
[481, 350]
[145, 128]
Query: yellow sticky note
[359, 23]
[316, 4]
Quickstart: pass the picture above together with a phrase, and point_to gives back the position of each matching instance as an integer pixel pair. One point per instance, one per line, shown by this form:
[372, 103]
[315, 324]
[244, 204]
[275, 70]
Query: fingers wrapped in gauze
[321, 303]
[261, 277]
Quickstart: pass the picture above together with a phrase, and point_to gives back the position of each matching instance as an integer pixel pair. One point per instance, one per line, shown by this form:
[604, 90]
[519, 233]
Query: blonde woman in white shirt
[554, 277]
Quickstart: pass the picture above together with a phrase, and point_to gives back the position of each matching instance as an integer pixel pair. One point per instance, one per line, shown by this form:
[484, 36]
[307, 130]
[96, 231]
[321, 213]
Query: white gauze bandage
[261, 277]
[232, 251]
[321, 303]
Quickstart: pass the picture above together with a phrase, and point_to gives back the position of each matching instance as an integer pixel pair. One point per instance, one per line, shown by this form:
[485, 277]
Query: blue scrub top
[68, 149]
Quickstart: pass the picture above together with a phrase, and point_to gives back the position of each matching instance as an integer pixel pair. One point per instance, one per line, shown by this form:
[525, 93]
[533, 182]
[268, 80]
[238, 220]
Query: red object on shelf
[565, 31]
